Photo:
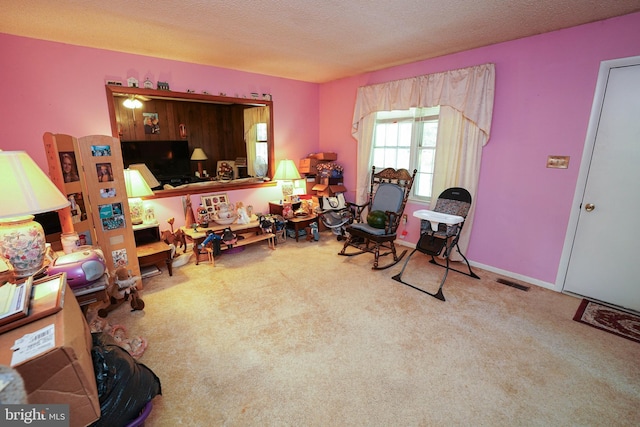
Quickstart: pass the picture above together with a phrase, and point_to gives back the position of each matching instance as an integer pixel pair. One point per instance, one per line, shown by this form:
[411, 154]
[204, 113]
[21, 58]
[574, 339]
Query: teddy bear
[122, 288]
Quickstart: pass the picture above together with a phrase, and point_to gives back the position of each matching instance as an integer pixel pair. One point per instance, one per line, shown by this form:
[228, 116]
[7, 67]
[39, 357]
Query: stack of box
[321, 186]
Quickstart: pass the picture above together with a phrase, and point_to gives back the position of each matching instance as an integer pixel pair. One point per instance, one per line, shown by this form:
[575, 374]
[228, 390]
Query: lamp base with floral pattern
[23, 244]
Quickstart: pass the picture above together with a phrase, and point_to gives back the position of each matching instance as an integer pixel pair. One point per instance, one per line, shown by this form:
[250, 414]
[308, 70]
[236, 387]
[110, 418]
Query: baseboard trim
[509, 274]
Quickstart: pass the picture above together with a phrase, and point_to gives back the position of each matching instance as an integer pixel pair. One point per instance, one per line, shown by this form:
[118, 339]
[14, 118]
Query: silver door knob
[589, 207]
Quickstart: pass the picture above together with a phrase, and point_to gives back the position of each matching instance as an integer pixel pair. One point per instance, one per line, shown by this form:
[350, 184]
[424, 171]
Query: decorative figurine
[243, 216]
[214, 239]
[228, 237]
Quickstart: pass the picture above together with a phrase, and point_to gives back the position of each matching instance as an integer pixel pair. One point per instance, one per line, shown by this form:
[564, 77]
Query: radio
[82, 267]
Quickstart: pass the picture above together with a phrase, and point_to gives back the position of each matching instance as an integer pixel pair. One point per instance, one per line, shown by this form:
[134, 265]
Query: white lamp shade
[26, 188]
[135, 184]
[286, 171]
[198, 154]
[146, 174]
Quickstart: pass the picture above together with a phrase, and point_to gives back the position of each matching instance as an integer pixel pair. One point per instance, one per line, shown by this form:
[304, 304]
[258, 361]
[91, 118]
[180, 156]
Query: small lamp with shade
[199, 155]
[27, 190]
[136, 187]
[286, 173]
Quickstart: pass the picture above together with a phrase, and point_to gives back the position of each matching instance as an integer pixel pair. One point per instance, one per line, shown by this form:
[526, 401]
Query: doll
[214, 239]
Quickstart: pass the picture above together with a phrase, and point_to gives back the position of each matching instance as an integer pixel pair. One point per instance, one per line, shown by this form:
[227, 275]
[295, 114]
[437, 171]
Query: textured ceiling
[308, 40]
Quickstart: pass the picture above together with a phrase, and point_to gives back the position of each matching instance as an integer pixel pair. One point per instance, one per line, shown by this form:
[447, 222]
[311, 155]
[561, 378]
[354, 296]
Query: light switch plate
[558, 162]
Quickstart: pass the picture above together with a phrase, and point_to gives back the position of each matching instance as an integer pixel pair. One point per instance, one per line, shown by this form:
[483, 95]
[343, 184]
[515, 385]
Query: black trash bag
[124, 385]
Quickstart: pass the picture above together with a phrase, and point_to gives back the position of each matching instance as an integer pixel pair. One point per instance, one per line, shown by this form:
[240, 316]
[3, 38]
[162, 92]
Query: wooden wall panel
[217, 129]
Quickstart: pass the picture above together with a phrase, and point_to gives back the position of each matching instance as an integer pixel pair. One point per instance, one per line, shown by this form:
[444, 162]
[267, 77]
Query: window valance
[468, 90]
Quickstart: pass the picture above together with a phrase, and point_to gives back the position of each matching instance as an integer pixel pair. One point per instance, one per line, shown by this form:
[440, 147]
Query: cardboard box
[64, 374]
[324, 156]
[328, 190]
[308, 166]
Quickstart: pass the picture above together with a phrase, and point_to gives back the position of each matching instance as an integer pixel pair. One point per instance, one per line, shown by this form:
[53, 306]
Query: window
[262, 147]
[407, 139]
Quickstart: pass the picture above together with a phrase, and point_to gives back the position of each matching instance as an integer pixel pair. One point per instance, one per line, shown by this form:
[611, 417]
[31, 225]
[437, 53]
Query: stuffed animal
[177, 239]
[266, 224]
[229, 237]
[123, 288]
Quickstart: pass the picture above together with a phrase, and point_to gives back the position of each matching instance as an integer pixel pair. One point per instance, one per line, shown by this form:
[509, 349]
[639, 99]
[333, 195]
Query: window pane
[261, 131]
[429, 134]
[422, 185]
[427, 161]
[404, 137]
[404, 159]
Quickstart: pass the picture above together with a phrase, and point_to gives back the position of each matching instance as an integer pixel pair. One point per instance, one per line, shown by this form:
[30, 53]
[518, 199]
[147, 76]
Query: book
[14, 300]
[46, 297]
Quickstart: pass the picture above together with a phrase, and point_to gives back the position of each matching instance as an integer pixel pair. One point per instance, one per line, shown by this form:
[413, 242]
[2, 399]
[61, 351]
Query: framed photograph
[212, 202]
[78, 210]
[151, 124]
[104, 172]
[107, 193]
[120, 258]
[111, 216]
[100, 150]
[69, 166]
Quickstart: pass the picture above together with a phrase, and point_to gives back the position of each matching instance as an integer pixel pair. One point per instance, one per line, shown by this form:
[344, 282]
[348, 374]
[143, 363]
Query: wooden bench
[251, 233]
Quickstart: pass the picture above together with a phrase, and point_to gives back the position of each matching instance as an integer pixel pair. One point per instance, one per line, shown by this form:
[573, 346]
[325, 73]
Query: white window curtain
[465, 97]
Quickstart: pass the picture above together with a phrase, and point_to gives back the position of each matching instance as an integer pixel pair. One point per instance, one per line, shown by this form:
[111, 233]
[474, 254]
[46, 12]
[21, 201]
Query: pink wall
[53, 87]
[544, 91]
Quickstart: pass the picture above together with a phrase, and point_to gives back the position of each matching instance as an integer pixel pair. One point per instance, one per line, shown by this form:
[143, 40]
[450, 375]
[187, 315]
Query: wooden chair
[389, 192]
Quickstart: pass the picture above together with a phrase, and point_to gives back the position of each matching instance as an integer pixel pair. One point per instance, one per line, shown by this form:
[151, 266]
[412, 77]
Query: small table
[155, 253]
[300, 222]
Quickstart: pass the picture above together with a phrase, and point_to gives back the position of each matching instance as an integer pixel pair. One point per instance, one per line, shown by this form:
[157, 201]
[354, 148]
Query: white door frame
[594, 121]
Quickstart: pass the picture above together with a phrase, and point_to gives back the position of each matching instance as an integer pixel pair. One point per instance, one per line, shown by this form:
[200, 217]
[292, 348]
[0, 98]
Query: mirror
[235, 134]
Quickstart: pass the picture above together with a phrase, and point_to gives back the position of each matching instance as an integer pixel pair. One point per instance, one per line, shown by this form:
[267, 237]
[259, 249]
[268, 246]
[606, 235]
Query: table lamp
[136, 187]
[199, 155]
[286, 173]
[148, 176]
[27, 190]
[149, 211]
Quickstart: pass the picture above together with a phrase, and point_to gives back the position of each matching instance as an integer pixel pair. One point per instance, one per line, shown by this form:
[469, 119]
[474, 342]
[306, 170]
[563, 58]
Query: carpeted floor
[299, 336]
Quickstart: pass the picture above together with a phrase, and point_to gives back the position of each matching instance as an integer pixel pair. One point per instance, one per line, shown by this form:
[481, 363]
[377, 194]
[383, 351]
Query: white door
[604, 254]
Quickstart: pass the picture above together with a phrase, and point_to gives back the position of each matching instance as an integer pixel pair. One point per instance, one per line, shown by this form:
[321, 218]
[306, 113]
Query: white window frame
[401, 147]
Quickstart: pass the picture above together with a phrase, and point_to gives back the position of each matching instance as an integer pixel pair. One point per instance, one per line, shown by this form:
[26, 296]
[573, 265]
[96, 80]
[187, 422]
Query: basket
[139, 421]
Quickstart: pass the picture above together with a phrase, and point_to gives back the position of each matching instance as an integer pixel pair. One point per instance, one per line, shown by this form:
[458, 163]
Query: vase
[23, 244]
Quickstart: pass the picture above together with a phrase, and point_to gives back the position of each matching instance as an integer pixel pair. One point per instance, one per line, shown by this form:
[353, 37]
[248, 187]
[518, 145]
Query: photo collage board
[102, 160]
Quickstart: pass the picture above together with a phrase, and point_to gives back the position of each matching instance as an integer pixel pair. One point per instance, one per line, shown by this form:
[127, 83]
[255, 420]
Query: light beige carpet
[299, 336]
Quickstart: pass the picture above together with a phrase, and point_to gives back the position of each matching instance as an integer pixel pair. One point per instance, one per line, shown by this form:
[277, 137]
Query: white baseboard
[520, 277]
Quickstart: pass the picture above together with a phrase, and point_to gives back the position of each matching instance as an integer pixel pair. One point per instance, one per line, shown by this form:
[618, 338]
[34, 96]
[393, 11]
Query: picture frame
[104, 172]
[212, 202]
[69, 166]
[100, 150]
[111, 216]
[151, 123]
